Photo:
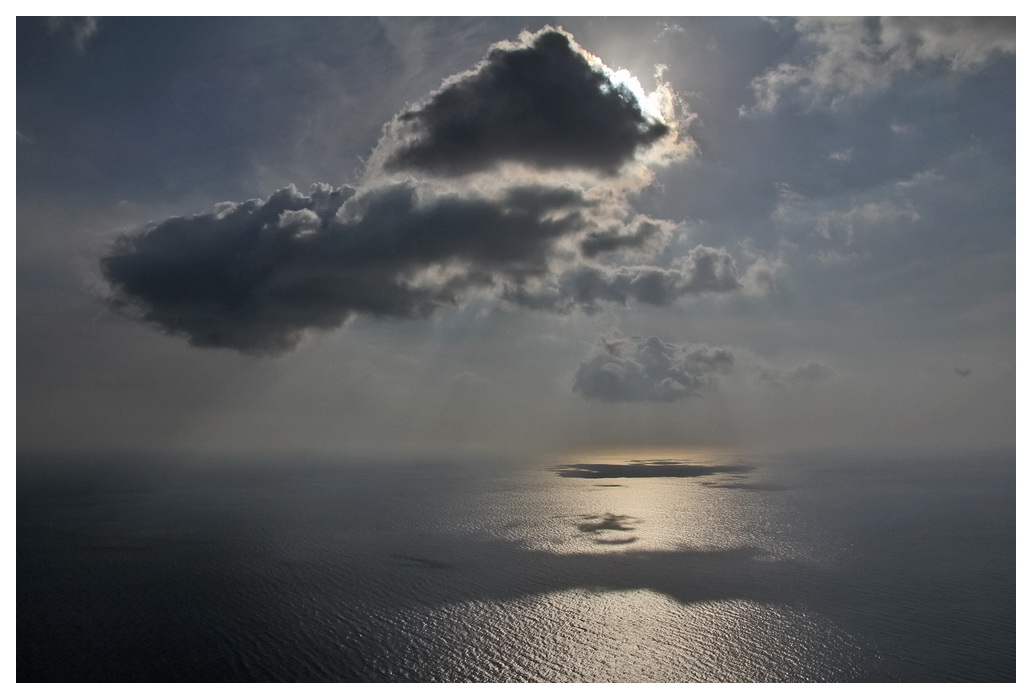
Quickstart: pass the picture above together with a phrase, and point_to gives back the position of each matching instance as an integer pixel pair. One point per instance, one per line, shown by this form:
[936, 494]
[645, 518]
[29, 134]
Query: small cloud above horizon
[648, 369]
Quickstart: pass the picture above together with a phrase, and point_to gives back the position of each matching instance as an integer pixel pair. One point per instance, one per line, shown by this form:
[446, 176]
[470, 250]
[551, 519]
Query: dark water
[674, 569]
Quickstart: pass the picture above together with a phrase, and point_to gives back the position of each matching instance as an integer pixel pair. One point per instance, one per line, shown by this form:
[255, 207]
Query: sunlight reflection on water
[663, 575]
[724, 568]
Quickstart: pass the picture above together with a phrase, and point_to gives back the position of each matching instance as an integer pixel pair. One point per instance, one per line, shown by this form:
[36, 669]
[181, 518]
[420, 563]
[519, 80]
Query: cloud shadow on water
[597, 526]
[646, 468]
[419, 562]
[608, 521]
[617, 542]
[745, 486]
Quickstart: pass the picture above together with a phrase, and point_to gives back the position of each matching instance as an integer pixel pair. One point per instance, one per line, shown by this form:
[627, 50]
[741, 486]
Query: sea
[635, 566]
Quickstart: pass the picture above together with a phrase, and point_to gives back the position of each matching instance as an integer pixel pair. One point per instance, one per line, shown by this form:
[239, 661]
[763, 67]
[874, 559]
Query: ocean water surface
[640, 567]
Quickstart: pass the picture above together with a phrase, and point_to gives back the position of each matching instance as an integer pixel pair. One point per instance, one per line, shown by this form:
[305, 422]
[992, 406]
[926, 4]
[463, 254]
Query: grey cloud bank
[588, 287]
[256, 276]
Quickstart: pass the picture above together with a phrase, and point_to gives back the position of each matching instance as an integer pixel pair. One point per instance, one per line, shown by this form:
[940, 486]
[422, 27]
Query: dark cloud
[410, 238]
[613, 241]
[254, 276]
[638, 369]
[544, 102]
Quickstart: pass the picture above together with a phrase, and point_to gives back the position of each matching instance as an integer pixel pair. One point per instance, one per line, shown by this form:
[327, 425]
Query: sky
[515, 234]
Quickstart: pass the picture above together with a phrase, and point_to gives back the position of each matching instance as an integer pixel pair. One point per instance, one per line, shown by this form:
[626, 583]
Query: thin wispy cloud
[809, 373]
[843, 225]
[80, 29]
[850, 56]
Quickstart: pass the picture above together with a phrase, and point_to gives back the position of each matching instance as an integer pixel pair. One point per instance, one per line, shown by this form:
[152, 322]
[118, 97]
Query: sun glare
[649, 103]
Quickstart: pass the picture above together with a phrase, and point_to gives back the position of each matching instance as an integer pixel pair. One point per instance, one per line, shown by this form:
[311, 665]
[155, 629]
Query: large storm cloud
[545, 103]
[254, 276]
[512, 180]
